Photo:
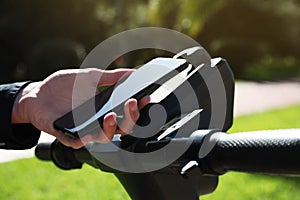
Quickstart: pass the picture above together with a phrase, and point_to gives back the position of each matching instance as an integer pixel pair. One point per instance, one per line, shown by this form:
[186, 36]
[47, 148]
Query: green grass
[34, 179]
[260, 187]
[275, 119]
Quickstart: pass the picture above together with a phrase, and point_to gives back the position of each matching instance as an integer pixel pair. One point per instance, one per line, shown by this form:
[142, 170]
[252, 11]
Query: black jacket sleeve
[14, 136]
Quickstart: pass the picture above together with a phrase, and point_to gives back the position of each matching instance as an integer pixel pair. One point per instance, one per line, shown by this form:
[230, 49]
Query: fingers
[131, 115]
[109, 128]
[104, 136]
[144, 101]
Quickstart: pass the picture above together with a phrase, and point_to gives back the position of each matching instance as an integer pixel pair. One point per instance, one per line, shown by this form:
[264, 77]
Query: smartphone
[88, 117]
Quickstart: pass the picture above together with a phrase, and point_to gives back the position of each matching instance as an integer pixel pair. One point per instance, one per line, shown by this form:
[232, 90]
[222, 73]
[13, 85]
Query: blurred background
[260, 39]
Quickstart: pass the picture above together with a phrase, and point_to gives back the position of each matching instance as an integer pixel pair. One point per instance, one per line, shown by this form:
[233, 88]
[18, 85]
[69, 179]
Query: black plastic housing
[167, 183]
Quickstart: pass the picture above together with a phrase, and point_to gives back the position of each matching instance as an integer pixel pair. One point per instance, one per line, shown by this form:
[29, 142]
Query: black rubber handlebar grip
[43, 151]
[276, 152]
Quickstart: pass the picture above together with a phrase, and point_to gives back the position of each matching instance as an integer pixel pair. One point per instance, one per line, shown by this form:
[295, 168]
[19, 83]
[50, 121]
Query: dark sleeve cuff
[14, 136]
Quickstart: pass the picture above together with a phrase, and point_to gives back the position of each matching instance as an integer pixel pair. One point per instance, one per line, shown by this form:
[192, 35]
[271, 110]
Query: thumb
[110, 77]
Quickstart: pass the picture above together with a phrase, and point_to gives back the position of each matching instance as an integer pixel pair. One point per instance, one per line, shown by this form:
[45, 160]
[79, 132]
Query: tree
[27, 24]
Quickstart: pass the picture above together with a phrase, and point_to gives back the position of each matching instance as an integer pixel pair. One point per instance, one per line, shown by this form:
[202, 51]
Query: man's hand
[41, 103]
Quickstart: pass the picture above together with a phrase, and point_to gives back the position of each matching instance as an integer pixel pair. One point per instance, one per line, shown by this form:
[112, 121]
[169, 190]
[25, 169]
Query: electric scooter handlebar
[215, 153]
[209, 153]
[204, 154]
[272, 152]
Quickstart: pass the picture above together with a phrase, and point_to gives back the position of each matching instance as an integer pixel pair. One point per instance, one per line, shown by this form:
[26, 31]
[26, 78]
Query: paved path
[250, 98]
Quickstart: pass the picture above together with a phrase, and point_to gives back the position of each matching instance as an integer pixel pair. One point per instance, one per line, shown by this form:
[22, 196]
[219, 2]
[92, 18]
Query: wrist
[20, 107]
